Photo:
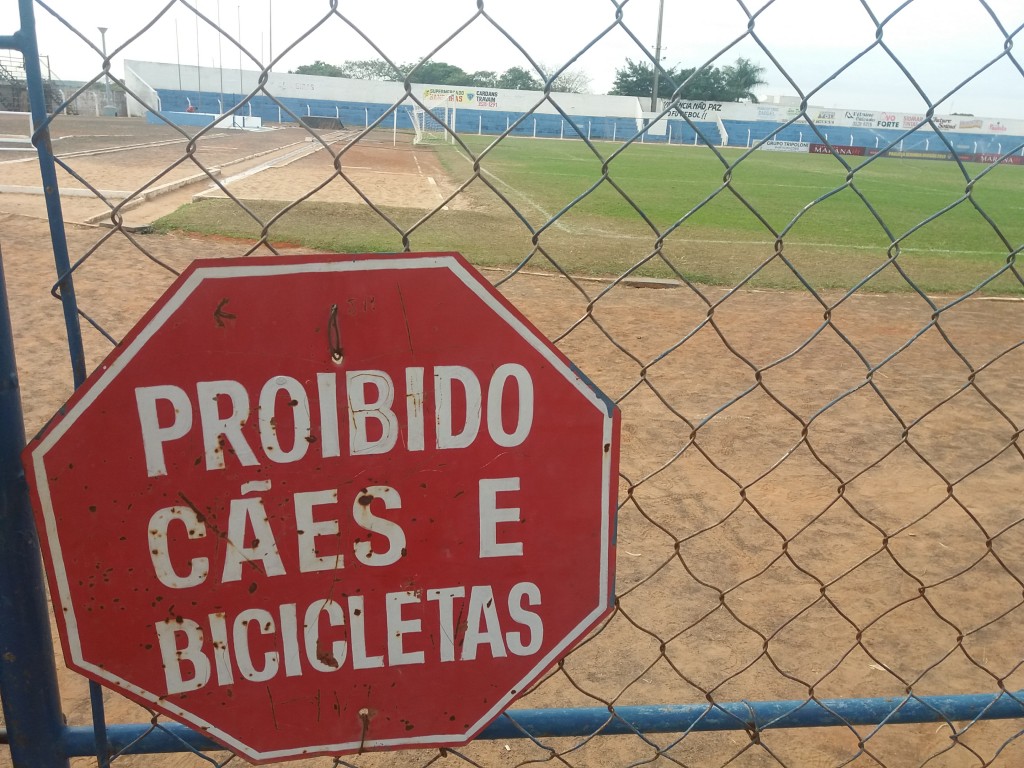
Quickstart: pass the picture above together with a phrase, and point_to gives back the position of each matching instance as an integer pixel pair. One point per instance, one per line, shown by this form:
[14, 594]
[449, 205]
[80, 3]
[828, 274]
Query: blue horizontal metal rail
[549, 723]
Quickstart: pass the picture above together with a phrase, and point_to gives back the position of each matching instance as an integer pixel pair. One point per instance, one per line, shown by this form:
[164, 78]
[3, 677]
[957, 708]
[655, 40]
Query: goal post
[433, 126]
[16, 129]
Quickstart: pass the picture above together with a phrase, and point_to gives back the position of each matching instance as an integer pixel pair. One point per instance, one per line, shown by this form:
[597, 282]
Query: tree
[742, 78]
[730, 83]
[701, 84]
[636, 78]
[484, 78]
[519, 79]
[443, 73]
[573, 80]
[321, 68]
[439, 73]
[372, 69]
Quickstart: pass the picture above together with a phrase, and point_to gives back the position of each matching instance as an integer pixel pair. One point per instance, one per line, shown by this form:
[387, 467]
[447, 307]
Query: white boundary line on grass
[430, 179]
[793, 244]
[529, 200]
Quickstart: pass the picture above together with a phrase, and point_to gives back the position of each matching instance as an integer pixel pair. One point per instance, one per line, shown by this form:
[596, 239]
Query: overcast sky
[940, 42]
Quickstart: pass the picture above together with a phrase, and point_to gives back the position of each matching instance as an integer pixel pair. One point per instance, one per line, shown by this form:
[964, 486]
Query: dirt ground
[816, 501]
[121, 159]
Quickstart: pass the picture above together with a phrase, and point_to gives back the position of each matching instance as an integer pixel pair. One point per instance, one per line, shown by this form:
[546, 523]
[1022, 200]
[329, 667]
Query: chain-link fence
[816, 352]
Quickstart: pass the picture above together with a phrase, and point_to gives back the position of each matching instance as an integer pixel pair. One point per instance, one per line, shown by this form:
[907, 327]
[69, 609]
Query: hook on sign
[334, 335]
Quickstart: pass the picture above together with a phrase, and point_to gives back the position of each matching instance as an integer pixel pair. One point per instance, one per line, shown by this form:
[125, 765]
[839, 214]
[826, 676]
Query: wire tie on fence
[753, 731]
[334, 335]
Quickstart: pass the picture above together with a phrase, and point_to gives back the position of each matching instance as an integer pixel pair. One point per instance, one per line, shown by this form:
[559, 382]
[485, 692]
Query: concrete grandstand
[199, 95]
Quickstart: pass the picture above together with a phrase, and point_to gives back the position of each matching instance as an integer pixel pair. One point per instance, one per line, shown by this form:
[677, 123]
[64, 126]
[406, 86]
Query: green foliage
[484, 78]
[439, 73]
[320, 68]
[443, 73]
[729, 83]
[361, 69]
[519, 79]
[572, 81]
[704, 84]
[636, 78]
[371, 69]
[741, 78]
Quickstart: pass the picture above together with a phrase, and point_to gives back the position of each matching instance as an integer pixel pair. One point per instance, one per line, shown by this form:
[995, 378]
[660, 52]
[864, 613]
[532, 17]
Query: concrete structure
[362, 103]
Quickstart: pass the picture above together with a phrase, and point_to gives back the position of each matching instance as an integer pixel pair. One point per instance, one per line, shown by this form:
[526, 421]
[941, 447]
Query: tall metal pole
[270, 33]
[106, 80]
[31, 701]
[28, 674]
[199, 66]
[177, 48]
[241, 88]
[657, 56]
[220, 57]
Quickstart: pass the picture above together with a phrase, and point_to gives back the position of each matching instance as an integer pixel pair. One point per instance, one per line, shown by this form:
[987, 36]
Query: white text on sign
[291, 644]
[186, 645]
[373, 421]
[260, 643]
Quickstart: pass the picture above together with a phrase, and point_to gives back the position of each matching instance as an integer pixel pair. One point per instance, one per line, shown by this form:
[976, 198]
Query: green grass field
[603, 216]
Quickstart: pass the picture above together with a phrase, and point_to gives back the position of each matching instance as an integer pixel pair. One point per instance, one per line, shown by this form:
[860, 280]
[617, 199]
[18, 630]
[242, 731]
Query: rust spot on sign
[325, 656]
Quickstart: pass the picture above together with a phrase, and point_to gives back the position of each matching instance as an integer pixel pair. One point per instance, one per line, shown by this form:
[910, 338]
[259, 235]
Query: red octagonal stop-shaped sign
[323, 504]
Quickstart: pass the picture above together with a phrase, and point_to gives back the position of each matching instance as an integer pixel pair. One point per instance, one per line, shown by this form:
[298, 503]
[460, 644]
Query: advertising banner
[469, 97]
[989, 158]
[784, 146]
[696, 110]
[836, 149]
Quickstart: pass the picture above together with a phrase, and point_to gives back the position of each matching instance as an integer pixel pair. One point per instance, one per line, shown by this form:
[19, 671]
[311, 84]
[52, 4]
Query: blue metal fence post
[28, 675]
[29, 47]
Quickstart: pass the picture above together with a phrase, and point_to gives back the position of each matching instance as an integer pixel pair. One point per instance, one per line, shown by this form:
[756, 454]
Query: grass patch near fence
[721, 216]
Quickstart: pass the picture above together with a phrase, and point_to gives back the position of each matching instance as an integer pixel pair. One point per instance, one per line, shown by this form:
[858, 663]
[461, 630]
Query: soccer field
[762, 193]
[819, 497]
[716, 214]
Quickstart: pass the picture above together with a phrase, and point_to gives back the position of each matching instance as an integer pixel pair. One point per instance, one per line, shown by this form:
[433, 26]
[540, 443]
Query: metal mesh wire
[821, 475]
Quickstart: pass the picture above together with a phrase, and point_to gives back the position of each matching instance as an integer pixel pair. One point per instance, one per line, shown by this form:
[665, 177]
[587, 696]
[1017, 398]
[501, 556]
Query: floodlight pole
[106, 80]
[199, 65]
[657, 56]
[177, 49]
[241, 88]
[220, 57]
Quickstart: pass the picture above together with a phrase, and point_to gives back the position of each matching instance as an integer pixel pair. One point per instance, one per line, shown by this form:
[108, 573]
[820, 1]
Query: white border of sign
[257, 269]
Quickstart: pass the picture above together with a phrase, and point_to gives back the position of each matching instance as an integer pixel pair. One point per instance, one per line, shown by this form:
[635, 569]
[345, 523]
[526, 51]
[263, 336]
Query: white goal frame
[434, 126]
[17, 138]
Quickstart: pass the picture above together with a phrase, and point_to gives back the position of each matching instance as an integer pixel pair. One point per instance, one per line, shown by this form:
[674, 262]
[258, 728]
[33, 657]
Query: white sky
[941, 42]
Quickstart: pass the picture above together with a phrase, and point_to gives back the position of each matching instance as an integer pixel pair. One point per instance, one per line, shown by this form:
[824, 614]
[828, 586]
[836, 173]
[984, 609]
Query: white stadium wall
[161, 76]
[170, 86]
